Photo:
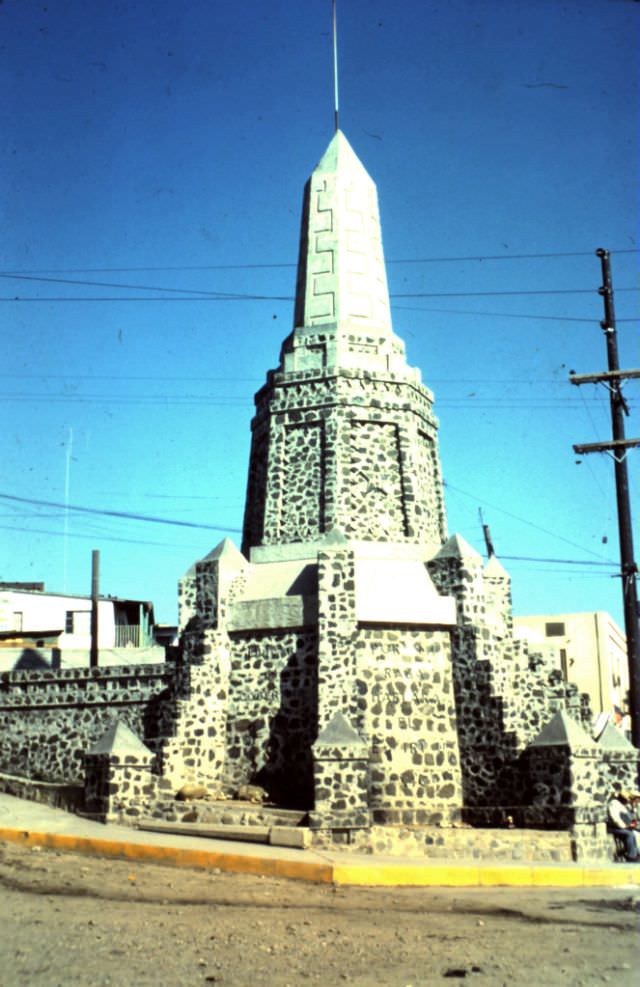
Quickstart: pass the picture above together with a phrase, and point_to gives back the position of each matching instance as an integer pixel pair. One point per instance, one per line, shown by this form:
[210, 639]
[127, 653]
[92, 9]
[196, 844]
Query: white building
[58, 626]
[592, 652]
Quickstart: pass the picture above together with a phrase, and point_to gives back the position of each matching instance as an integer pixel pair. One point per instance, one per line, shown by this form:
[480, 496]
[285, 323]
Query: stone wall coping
[309, 551]
[286, 377]
[49, 676]
[280, 613]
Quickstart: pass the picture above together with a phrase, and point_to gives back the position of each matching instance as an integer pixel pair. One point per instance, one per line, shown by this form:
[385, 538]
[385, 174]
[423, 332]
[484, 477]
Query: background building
[592, 653]
[41, 627]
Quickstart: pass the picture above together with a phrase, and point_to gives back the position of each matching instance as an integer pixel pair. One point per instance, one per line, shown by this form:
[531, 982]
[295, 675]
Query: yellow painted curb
[416, 875]
[366, 874]
[615, 876]
[497, 876]
[176, 856]
[557, 877]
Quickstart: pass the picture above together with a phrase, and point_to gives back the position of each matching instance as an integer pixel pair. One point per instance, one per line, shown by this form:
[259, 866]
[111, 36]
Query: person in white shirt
[623, 823]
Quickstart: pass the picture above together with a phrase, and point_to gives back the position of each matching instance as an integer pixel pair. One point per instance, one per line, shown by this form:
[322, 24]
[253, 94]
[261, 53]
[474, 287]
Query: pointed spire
[341, 276]
[226, 552]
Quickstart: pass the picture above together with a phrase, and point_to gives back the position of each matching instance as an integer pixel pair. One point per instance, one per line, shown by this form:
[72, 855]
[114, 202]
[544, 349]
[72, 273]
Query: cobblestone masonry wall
[341, 778]
[357, 451]
[504, 693]
[411, 721]
[582, 843]
[395, 687]
[336, 639]
[192, 715]
[48, 718]
[272, 716]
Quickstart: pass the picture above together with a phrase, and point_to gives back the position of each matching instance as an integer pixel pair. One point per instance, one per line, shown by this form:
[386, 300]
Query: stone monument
[353, 659]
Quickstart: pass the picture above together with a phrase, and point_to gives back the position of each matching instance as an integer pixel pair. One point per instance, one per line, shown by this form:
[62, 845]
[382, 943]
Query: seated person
[622, 822]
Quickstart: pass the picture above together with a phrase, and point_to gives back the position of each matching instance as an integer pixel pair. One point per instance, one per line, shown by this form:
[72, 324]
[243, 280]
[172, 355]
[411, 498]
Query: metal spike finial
[335, 66]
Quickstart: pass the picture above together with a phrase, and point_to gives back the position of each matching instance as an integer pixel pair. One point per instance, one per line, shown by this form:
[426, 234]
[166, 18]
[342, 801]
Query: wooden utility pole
[95, 589]
[618, 449]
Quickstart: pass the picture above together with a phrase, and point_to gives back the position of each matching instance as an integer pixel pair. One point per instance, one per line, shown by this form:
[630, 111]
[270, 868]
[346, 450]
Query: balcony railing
[127, 635]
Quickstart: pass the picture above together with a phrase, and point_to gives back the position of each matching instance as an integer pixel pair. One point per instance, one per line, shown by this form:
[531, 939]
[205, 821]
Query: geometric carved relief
[374, 503]
[302, 512]
[428, 486]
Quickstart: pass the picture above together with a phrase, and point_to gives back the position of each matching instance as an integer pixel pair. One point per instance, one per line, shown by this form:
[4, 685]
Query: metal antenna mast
[335, 67]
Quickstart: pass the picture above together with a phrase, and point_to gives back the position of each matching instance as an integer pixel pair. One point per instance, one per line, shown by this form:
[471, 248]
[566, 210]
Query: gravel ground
[73, 920]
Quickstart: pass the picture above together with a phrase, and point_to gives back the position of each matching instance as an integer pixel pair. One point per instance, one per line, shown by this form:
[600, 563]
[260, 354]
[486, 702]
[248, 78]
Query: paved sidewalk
[32, 824]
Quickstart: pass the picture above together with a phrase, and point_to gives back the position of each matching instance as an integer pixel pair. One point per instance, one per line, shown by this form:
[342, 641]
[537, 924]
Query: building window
[18, 618]
[68, 623]
[554, 629]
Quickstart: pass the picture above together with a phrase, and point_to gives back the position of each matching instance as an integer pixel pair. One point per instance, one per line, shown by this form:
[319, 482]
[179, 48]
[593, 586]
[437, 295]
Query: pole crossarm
[614, 446]
[610, 375]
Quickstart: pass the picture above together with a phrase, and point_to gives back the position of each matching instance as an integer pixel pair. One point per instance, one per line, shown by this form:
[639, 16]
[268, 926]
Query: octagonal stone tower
[344, 435]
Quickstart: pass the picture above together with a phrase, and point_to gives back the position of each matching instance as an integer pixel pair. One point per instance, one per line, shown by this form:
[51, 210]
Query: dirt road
[73, 920]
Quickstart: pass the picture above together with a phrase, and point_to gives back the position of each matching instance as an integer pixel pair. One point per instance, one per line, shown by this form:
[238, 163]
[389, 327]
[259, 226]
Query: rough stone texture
[48, 718]
[460, 843]
[341, 775]
[349, 449]
[119, 779]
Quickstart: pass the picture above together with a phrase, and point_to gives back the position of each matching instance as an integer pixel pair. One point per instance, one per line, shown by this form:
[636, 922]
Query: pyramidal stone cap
[339, 733]
[495, 569]
[227, 552]
[458, 548]
[612, 739]
[563, 731]
[120, 739]
[341, 274]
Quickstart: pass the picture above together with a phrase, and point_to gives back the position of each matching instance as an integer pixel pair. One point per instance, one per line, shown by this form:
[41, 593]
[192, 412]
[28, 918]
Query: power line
[502, 315]
[222, 295]
[192, 524]
[481, 294]
[253, 267]
[133, 287]
[500, 257]
[173, 377]
[530, 558]
[531, 524]
[119, 514]
[478, 403]
[149, 298]
[93, 537]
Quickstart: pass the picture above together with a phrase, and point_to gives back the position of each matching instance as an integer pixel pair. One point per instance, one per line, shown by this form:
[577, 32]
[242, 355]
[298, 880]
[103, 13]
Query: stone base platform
[468, 843]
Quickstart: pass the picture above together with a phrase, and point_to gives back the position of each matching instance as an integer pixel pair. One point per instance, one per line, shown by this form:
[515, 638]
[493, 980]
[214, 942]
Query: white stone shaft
[341, 274]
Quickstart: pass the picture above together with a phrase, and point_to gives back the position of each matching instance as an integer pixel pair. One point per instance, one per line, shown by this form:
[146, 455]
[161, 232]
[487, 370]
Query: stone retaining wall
[513, 845]
[49, 717]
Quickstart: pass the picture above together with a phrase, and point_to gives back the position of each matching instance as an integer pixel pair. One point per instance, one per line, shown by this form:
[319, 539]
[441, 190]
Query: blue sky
[166, 146]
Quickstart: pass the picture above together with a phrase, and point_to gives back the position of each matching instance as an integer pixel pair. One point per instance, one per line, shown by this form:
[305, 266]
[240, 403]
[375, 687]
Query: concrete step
[233, 812]
[285, 836]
